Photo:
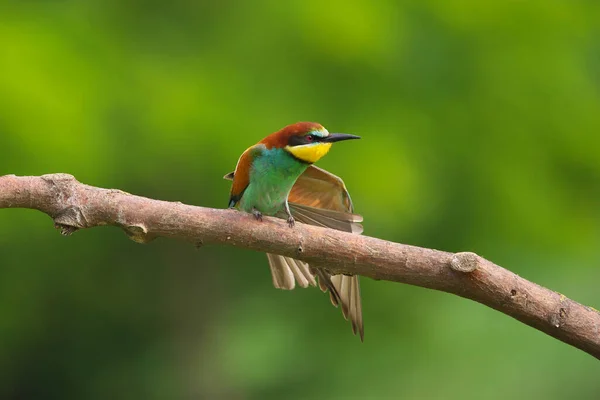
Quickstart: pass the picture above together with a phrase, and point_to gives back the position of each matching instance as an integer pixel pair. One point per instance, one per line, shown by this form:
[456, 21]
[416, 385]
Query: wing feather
[241, 176]
[321, 189]
[321, 198]
[341, 221]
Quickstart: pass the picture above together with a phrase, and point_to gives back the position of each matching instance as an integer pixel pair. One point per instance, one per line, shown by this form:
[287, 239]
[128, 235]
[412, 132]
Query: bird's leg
[291, 221]
[257, 214]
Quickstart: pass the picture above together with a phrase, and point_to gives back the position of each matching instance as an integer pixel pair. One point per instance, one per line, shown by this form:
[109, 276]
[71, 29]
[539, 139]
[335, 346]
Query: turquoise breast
[272, 175]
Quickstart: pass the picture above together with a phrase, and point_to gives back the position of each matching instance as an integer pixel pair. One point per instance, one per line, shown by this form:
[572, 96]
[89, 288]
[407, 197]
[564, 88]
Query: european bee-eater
[276, 177]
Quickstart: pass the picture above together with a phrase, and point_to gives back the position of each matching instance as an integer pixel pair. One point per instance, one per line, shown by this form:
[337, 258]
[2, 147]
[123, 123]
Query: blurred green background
[481, 132]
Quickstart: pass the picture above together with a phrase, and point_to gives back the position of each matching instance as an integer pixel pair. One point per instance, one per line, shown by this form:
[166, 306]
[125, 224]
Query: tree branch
[74, 206]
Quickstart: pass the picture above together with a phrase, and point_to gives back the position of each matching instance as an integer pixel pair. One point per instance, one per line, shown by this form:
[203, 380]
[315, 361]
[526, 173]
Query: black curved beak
[336, 137]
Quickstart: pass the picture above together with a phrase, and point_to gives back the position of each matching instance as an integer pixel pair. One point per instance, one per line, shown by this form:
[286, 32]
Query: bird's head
[306, 141]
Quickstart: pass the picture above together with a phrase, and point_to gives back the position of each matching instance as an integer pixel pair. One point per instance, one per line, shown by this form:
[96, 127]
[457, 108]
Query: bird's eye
[310, 138]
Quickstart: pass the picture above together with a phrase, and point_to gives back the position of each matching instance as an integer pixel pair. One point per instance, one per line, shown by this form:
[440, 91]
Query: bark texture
[74, 206]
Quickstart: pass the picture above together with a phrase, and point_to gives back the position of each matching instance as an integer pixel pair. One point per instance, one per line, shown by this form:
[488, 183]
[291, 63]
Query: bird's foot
[291, 221]
[257, 214]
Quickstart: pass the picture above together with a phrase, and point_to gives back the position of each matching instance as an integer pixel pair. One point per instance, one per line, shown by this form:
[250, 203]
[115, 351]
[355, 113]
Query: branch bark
[74, 206]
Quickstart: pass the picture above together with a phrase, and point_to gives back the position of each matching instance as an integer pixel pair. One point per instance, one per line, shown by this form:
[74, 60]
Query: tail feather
[287, 271]
[301, 272]
[349, 290]
[356, 309]
[283, 277]
[326, 284]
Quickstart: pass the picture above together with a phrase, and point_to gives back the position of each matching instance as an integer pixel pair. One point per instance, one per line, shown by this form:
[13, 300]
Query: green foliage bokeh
[481, 132]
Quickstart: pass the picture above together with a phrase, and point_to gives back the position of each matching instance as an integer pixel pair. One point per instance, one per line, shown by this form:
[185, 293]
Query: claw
[257, 214]
[291, 221]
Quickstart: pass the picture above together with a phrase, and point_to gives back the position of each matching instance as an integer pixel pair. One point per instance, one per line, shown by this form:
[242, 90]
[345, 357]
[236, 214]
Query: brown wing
[321, 198]
[321, 189]
[241, 176]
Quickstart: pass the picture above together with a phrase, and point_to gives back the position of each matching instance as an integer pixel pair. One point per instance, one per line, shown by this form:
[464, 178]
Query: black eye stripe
[300, 140]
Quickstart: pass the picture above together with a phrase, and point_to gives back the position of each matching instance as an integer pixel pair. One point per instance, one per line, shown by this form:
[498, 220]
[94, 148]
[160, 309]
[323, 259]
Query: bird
[276, 177]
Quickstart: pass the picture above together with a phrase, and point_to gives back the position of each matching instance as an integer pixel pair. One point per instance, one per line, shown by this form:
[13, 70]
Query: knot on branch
[69, 220]
[138, 233]
[59, 178]
[559, 317]
[464, 262]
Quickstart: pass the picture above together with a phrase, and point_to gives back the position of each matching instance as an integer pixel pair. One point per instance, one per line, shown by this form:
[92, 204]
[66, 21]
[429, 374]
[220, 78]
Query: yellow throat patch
[310, 153]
